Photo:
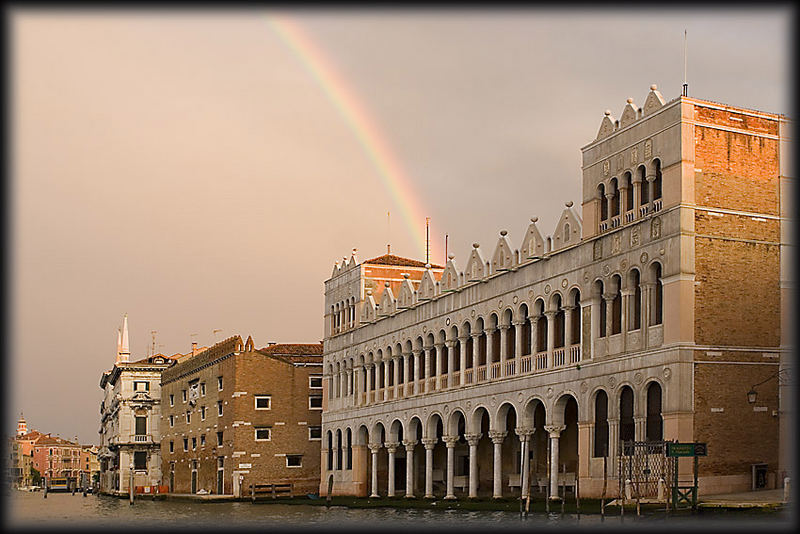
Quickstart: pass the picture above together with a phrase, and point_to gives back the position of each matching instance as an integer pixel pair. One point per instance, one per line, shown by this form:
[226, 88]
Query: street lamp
[783, 377]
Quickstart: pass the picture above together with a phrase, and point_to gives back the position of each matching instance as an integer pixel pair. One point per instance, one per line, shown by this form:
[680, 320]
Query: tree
[36, 477]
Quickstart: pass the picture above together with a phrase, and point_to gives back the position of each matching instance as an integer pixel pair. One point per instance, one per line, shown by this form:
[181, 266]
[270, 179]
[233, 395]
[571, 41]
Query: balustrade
[431, 385]
[482, 373]
[629, 215]
[603, 226]
[510, 368]
[456, 378]
[468, 375]
[643, 210]
[615, 221]
[443, 382]
[574, 354]
[657, 204]
[526, 364]
[559, 357]
[495, 370]
[541, 361]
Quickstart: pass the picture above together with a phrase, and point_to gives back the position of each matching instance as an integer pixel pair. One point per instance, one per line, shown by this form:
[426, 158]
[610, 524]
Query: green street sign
[686, 449]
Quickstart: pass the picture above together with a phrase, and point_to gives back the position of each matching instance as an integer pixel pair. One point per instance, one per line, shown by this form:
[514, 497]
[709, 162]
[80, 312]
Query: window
[202, 389]
[219, 407]
[171, 399]
[219, 383]
[202, 413]
[185, 444]
[140, 460]
[263, 402]
[294, 460]
[171, 446]
[219, 439]
[315, 403]
[141, 425]
[202, 440]
[263, 433]
[183, 393]
[171, 421]
[188, 417]
[141, 386]
[194, 443]
[314, 432]
[315, 382]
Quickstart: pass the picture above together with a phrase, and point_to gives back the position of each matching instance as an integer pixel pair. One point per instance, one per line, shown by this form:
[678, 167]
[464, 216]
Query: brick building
[235, 415]
[649, 316]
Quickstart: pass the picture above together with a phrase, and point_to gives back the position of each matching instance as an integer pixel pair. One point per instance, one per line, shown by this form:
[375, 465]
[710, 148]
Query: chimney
[194, 348]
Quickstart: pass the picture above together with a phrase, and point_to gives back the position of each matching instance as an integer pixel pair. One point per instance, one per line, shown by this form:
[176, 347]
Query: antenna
[388, 233]
[215, 333]
[685, 54]
[445, 248]
[427, 240]
[153, 348]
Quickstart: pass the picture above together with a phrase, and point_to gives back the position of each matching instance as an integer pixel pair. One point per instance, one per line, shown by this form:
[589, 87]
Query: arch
[601, 435]
[348, 449]
[635, 304]
[414, 429]
[574, 300]
[329, 445]
[540, 320]
[601, 194]
[557, 413]
[654, 424]
[338, 449]
[613, 189]
[378, 433]
[396, 431]
[476, 419]
[456, 423]
[657, 300]
[627, 186]
[615, 286]
[657, 180]
[531, 412]
[434, 426]
[642, 179]
[627, 425]
[501, 417]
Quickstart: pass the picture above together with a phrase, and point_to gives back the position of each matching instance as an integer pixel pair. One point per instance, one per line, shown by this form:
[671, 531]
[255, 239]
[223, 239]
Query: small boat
[312, 496]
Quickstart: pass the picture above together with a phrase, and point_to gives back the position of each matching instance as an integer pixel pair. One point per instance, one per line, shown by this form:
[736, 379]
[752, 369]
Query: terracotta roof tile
[391, 259]
[293, 349]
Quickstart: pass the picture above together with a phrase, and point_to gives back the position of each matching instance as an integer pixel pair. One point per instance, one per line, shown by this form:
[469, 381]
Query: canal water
[64, 510]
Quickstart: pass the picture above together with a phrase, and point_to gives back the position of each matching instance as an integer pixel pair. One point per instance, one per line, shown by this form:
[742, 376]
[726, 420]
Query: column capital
[554, 430]
[637, 178]
[524, 433]
[609, 196]
[450, 441]
[391, 446]
[369, 366]
[428, 348]
[518, 323]
[463, 338]
[409, 444]
[551, 314]
[450, 343]
[439, 344]
[430, 443]
[407, 354]
[609, 296]
[374, 447]
[503, 327]
[497, 437]
[475, 335]
[473, 439]
[568, 307]
[650, 177]
[647, 285]
[490, 330]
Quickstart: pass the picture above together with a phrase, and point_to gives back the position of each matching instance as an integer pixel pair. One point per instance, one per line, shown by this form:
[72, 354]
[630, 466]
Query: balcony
[615, 221]
[495, 374]
[629, 216]
[559, 357]
[657, 204]
[141, 438]
[643, 210]
[541, 361]
[603, 226]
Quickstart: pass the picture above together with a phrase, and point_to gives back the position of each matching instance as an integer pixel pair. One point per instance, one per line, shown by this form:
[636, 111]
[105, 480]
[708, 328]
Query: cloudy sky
[204, 170]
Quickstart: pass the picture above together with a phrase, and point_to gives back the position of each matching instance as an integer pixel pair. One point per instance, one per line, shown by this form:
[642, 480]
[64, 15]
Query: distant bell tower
[123, 348]
[22, 426]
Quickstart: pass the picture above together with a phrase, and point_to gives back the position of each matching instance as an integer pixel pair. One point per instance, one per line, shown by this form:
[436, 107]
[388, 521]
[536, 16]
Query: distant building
[647, 315]
[234, 415]
[56, 457]
[130, 414]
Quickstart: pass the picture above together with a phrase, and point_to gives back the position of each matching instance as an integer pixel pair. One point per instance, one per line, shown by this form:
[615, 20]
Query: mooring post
[549, 474]
[330, 491]
[563, 486]
[605, 484]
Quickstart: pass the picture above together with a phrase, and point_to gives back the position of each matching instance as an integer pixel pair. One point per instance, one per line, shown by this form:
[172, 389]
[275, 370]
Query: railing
[431, 385]
[615, 221]
[378, 394]
[559, 357]
[390, 392]
[456, 379]
[443, 382]
[363, 398]
[495, 371]
[541, 361]
[603, 226]
[629, 215]
[574, 354]
[509, 368]
[526, 364]
[657, 204]
[482, 373]
[643, 210]
[141, 438]
[468, 376]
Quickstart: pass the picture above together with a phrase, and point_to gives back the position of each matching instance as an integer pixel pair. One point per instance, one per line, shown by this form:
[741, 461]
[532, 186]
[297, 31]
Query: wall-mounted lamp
[783, 377]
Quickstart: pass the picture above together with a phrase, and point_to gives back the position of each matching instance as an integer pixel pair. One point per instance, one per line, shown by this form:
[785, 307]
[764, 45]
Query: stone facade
[235, 415]
[625, 323]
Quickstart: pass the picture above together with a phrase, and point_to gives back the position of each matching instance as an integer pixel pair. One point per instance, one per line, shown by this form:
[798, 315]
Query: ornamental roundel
[515, 299]
[519, 396]
[547, 289]
[494, 400]
[530, 293]
[469, 405]
[667, 373]
[564, 283]
[500, 303]
[606, 270]
[623, 264]
[638, 378]
[549, 392]
[424, 328]
[661, 251]
[612, 382]
[643, 258]
[634, 339]
[472, 313]
[586, 277]
[447, 321]
[584, 387]
[446, 409]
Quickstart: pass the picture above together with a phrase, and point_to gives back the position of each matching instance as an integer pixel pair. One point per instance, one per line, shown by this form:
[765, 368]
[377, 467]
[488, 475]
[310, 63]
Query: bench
[275, 490]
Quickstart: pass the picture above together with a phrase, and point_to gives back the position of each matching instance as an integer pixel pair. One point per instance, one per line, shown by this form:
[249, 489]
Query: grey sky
[186, 169]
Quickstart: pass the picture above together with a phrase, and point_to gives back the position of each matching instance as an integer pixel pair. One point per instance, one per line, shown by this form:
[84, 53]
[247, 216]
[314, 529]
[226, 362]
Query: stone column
[407, 382]
[503, 346]
[429, 444]
[409, 445]
[473, 440]
[524, 441]
[374, 448]
[534, 333]
[609, 197]
[626, 295]
[439, 348]
[396, 379]
[369, 370]
[647, 297]
[450, 441]
[518, 339]
[497, 439]
[637, 194]
[650, 190]
[613, 444]
[489, 348]
[476, 355]
[555, 433]
[568, 311]
[608, 299]
[349, 379]
[451, 362]
[391, 448]
[428, 367]
[623, 201]
[462, 359]
[640, 428]
[417, 372]
[335, 447]
[551, 336]
[385, 379]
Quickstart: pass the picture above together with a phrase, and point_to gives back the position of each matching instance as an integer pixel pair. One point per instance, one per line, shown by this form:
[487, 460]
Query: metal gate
[650, 471]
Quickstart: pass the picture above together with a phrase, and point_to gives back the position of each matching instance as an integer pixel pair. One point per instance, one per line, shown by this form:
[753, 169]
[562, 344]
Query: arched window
[614, 190]
[575, 335]
[657, 305]
[628, 191]
[339, 449]
[636, 304]
[627, 427]
[349, 464]
[643, 198]
[657, 181]
[616, 305]
[330, 450]
[655, 427]
[598, 290]
[600, 424]
[566, 232]
[559, 320]
[601, 193]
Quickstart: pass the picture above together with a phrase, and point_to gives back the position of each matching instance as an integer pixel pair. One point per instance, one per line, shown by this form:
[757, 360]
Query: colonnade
[633, 196]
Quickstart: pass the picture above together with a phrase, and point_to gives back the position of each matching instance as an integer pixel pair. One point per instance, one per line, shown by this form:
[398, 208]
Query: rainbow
[355, 116]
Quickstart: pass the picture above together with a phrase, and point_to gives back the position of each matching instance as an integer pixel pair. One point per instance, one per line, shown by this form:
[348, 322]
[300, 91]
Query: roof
[293, 349]
[30, 435]
[55, 440]
[391, 259]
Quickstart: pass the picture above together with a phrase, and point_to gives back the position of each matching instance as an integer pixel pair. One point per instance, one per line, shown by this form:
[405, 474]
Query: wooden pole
[605, 484]
[563, 486]
[549, 474]
[578, 491]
